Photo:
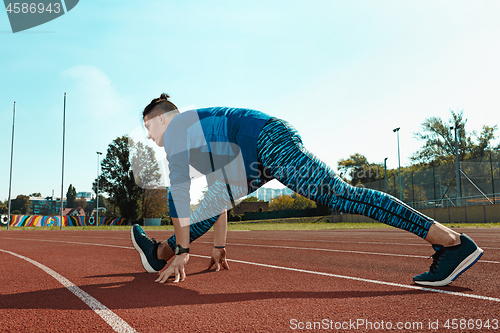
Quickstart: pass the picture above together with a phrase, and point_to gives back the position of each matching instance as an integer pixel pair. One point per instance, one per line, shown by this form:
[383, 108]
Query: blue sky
[344, 73]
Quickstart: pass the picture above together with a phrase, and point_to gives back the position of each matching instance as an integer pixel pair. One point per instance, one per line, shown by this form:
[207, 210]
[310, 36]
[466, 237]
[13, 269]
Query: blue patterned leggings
[282, 153]
[283, 157]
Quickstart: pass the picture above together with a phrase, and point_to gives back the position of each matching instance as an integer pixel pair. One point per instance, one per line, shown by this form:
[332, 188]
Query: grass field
[300, 223]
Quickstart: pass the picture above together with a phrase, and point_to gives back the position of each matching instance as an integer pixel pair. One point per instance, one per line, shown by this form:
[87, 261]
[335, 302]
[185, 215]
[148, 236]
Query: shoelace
[436, 260]
[151, 240]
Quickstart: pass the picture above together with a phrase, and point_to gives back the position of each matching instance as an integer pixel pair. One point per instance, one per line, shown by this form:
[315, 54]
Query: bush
[231, 216]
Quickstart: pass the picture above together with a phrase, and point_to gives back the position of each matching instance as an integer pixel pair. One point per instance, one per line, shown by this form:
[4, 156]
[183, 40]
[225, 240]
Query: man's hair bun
[163, 103]
[164, 96]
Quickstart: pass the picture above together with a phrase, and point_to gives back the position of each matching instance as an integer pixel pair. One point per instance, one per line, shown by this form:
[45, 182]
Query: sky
[344, 73]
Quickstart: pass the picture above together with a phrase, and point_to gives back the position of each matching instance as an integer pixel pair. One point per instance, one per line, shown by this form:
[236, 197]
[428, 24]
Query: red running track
[279, 281]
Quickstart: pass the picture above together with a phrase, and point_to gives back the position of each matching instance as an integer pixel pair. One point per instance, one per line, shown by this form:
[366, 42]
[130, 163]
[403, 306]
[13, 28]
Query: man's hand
[219, 259]
[176, 269]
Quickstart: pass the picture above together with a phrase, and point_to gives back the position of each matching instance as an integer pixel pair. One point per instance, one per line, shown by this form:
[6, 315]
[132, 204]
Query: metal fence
[436, 186]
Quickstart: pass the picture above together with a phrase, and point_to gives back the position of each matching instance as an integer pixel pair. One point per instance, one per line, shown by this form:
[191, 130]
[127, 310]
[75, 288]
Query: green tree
[439, 140]
[414, 193]
[111, 209]
[36, 194]
[20, 205]
[102, 201]
[357, 170]
[252, 199]
[71, 197]
[154, 198]
[4, 208]
[301, 202]
[281, 202]
[145, 166]
[127, 170]
[154, 203]
[81, 202]
[202, 195]
[90, 206]
[117, 179]
[294, 201]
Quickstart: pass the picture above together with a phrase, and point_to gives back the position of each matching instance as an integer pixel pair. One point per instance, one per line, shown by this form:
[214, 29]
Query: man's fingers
[219, 259]
[164, 276]
[212, 262]
[222, 264]
[177, 275]
[180, 275]
[183, 274]
[176, 270]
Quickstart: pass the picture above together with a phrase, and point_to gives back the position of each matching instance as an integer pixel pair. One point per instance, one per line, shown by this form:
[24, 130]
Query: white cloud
[97, 95]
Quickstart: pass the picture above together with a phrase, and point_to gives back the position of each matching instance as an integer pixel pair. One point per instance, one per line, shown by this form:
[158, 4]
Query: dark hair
[160, 105]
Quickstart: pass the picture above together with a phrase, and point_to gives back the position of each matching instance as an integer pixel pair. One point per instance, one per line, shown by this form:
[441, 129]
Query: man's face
[156, 126]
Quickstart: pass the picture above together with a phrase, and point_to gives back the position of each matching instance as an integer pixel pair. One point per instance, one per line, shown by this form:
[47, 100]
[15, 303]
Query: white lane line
[326, 250]
[350, 242]
[407, 286]
[308, 240]
[69, 242]
[486, 298]
[255, 245]
[117, 323]
[343, 251]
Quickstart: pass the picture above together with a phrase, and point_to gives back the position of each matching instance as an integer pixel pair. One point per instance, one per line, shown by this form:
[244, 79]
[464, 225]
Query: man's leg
[165, 252]
[154, 254]
[147, 248]
[439, 234]
[215, 201]
[281, 152]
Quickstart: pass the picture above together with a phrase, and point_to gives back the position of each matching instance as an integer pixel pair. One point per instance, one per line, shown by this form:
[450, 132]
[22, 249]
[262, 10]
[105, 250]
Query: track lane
[31, 301]
[260, 298]
[116, 323]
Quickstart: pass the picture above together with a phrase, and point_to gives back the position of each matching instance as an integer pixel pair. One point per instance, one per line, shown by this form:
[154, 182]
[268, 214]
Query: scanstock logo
[26, 15]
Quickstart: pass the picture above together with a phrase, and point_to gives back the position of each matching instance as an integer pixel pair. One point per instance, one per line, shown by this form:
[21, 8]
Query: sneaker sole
[144, 260]
[462, 267]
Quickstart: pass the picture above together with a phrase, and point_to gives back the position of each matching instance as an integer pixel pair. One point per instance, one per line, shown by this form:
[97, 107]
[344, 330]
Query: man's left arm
[219, 250]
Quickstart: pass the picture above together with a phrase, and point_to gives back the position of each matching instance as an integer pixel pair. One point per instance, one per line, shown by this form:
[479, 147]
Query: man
[239, 150]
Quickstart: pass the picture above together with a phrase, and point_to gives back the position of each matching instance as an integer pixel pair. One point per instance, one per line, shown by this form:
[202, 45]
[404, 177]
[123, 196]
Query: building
[74, 211]
[86, 195]
[102, 211]
[267, 194]
[45, 206]
[243, 207]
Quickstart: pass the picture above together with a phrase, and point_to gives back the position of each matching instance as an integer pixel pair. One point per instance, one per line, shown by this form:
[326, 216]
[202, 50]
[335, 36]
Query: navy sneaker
[147, 248]
[450, 262]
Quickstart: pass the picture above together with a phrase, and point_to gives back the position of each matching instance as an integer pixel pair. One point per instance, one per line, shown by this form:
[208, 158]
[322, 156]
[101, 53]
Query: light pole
[62, 167]
[457, 165]
[97, 192]
[11, 158]
[399, 162]
[385, 175]
[441, 190]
